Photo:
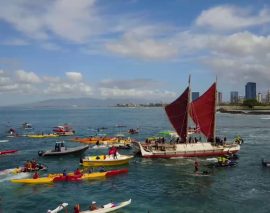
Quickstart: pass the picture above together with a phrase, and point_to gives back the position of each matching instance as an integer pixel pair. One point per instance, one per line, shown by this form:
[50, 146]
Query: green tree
[250, 103]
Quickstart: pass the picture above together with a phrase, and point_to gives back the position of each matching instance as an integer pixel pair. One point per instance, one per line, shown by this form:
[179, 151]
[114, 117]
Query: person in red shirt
[77, 172]
[36, 175]
[77, 208]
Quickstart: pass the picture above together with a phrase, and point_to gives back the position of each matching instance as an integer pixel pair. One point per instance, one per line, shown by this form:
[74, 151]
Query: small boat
[102, 140]
[265, 163]
[4, 141]
[51, 178]
[27, 126]
[105, 160]
[229, 163]
[109, 207]
[65, 130]
[102, 146]
[58, 208]
[5, 152]
[42, 136]
[61, 149]
[133, 131]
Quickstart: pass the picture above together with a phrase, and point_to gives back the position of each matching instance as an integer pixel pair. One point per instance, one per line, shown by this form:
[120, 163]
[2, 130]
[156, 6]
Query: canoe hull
[109, 207]
[33, 181]
[5, 152]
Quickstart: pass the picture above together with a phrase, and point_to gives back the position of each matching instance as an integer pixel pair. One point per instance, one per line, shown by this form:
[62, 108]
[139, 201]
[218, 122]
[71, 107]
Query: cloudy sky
[130, 48]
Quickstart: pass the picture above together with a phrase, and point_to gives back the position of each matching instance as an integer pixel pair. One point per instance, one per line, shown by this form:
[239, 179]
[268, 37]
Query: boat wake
[15, 176]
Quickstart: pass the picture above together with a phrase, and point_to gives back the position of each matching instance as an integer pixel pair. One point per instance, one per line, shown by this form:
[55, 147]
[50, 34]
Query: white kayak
[4, 141]
[109, 207]
[58, 208]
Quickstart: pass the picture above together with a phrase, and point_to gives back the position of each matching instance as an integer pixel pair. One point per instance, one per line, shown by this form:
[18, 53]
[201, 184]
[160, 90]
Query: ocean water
[155, 186]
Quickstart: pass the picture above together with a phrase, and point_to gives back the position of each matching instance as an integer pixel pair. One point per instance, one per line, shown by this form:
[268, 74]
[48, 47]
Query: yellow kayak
[106, 160]
[41, 180]
[43, 136]
[70, 177]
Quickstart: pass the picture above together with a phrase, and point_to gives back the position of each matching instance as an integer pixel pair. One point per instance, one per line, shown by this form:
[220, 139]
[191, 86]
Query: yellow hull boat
[106, 160]
[41, 180]
[70, 177]
[43, 136]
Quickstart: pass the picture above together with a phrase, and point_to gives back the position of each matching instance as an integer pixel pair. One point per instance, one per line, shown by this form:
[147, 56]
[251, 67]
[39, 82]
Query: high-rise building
[259, 97]
[267, 97]
[195, 95]
[234, 97]
[219, 99]
[250, 90]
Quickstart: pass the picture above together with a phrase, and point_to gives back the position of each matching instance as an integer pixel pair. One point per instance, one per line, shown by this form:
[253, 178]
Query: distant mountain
[83, 102]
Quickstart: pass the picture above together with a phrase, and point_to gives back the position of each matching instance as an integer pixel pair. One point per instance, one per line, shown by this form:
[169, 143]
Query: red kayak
[5, 152]
[116, 172]
[67, 178]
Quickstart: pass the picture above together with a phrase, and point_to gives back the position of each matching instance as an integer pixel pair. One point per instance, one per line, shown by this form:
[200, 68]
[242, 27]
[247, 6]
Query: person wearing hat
[93, 206]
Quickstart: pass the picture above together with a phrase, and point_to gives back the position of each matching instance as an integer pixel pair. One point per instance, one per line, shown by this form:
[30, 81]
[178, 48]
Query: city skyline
[130, 49]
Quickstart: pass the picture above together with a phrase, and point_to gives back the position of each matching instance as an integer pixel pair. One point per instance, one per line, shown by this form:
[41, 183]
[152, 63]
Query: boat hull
[199, 149]
[74, 151]
[5, 152]
[92, 161]
[109, 207]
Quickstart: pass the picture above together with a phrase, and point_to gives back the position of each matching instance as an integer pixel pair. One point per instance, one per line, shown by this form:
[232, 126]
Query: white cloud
[129, 84]
[231, 18]
[15, 42]
[142, 48]
[50, 46]
[70, 20]
[74, 76]
[73, 20]
[136, 93]
[27, 77]
[69, 89]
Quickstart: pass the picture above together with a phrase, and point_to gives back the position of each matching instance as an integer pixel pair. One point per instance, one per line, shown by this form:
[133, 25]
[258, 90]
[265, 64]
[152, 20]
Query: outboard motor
[81, 160]
[40, 153]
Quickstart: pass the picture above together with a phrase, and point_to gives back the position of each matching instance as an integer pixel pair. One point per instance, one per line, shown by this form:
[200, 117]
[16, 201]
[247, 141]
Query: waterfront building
[219, 100]
[259, 97]
[195, 95]
[234, 97]
[250, 90]
[267, 97]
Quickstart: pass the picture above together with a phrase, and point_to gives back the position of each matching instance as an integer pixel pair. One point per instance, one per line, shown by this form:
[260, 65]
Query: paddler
[77, 172]
[196, 166]
[36, 175]
[93, 206]
[77, 208]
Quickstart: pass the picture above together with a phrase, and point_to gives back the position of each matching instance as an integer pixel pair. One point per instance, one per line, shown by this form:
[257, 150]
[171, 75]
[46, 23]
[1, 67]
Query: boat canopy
[177, 113]
[202, 112]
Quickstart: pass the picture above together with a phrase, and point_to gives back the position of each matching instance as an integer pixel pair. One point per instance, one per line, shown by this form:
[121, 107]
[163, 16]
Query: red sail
[177, 114]
[202, 112]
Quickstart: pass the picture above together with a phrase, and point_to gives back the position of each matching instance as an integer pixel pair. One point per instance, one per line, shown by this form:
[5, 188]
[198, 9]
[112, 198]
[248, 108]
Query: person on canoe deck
[77, 172]
[34, 164]
[36, 175]
[64, 173]
[196, 166]
[27, 166]
[93, 206]
[77, 208]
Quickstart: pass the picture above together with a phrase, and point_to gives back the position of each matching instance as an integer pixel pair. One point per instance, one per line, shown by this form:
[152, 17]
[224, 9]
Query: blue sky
[130, 49]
